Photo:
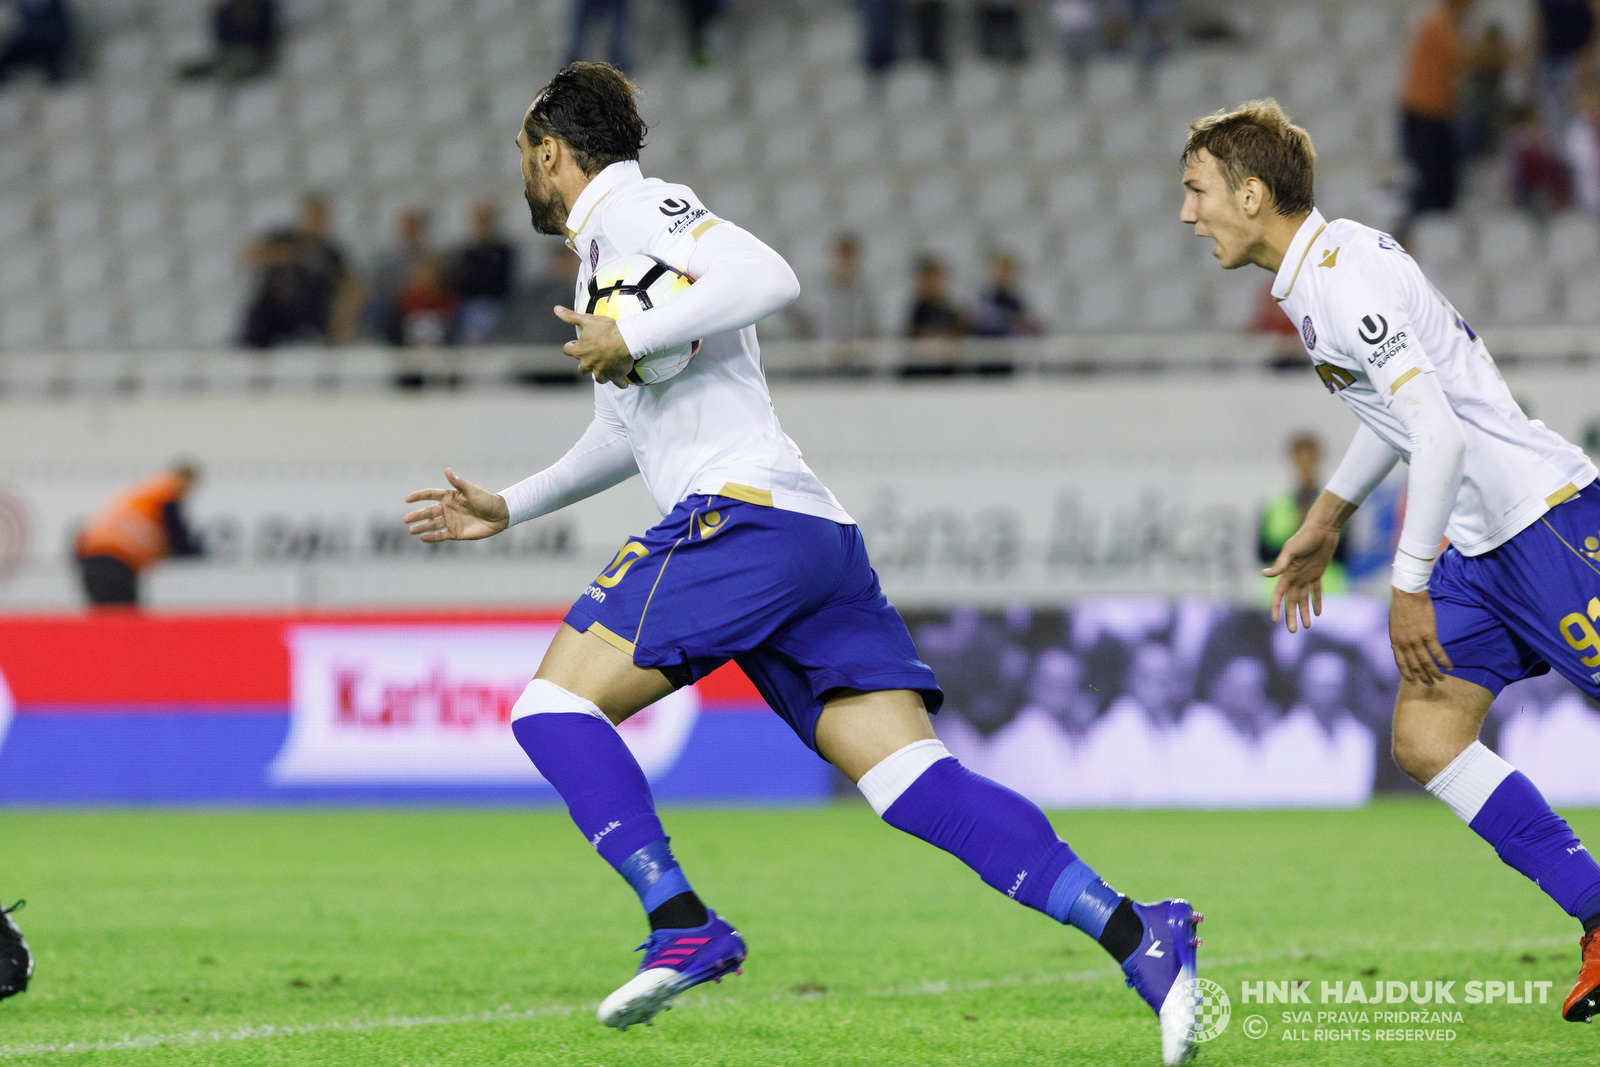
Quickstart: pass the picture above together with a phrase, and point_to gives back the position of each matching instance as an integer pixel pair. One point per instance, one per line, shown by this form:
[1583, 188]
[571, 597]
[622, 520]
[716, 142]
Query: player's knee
[1419, 751]
[542, 697]
[891, 776]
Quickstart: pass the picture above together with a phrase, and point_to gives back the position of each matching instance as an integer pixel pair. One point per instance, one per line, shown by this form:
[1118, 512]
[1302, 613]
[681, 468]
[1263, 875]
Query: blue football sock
[1507, 810]
[998, 833]
[580, 753]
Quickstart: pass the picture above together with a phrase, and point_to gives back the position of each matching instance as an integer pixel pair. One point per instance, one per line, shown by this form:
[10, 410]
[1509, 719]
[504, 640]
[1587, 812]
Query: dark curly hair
[592, 108]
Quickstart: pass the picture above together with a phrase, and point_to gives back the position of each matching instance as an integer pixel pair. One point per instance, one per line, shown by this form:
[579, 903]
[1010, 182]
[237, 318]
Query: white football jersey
[712, 428]
[1371, 320]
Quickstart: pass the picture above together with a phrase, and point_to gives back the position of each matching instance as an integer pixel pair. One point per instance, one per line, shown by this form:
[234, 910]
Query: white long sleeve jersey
[1372, 322]
[710, 429]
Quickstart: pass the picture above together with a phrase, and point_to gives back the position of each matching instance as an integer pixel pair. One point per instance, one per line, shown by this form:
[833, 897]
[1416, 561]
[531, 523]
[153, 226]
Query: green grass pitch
[487, 937]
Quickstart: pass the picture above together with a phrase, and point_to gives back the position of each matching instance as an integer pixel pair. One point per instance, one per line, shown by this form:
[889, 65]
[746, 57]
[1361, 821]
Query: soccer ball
[632, 284]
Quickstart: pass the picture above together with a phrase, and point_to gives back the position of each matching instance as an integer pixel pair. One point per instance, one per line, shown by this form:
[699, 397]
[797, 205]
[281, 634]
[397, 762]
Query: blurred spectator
[245, 36]
[530, 319]
[1145, 26]
[585, 14]
[392, 270]
[42, 38]
[930, 21]
[1485, 110]
[846, 310]
[880, 25]
[1000, 311]
[1537, 177]
[131, 531]
[1565, 34]
[698, 16]
[304, 291]
[1000, 30]
[932, 313]
[1583, 150]
[1077, 25]
[1285, 512]
[1428, 106]
[425, 306]
[481, 275]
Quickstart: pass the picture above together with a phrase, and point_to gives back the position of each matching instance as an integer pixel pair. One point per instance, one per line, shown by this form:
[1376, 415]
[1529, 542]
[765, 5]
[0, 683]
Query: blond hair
[1258, 140]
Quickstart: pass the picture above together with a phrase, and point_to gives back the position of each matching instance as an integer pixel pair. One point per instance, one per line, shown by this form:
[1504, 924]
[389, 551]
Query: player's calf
[1009, 842]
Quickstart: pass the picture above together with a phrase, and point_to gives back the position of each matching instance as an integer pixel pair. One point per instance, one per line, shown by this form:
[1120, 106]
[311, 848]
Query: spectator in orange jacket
[134, 529]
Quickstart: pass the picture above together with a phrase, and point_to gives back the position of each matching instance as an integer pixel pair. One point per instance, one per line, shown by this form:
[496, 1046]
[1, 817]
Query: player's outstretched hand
[1415, 637]
[600, 351]
[1298, 569]
[464, 512]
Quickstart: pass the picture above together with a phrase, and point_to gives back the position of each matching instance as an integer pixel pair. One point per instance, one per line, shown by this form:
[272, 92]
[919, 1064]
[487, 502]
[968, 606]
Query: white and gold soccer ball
[632, 284]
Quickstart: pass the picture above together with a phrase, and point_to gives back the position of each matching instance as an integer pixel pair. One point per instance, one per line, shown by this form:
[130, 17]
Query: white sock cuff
[894, 773]
[542, 697]
[1465, 785]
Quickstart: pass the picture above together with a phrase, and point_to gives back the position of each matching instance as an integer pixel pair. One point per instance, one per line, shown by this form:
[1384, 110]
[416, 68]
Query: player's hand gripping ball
[632, 284]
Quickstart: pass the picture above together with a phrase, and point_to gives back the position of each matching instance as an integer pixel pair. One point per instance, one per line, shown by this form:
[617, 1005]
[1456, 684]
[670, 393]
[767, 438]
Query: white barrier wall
[1042, 489]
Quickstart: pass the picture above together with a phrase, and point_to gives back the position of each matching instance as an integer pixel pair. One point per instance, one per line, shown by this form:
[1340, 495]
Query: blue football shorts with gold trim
[1531, 605]
[789, 597]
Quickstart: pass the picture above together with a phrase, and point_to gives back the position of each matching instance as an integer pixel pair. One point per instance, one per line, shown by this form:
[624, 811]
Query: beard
[547, 211]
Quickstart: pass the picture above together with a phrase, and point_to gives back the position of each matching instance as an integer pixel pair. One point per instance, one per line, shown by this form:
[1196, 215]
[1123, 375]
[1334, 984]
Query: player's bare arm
[464, 512]
[1304, 558]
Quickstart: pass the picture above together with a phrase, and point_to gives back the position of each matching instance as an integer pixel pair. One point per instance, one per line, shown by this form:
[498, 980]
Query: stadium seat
[921, 139]
[377, 54]
[256, 107]
[1438, 240]
[1074, 194]
[1185, 81]
[1361, 27]
[1523, 297]
[1103, 302]
[1168, 299]
[803, 203]
[1060, 136]
[1005, 195]
[1247, 77]
[706, 95]
[1583, 298]
[66, 112]
[136, 161]
[845, 93]
[71, 162]
[24, 325]
[1112, 82]
[1235, 295]
[140, 219]
[837, 37]
[1298, 28]
[1151, 194]
[16, 220]
[128, 109]
[936, 199]
[75, 219]
[1128, 133]
[1574, 243]
[1507, 241]
[726, 149]
[777, 95]
[311, 54]
[1090, 248]
[977, 87]
[264, 160]
[330, 160]
[148, 269]
[910, 88]
[192, 108]
[867, 199]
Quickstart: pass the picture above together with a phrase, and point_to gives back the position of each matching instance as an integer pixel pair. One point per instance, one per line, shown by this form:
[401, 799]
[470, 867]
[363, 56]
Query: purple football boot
[1162, 971]
[674, 960]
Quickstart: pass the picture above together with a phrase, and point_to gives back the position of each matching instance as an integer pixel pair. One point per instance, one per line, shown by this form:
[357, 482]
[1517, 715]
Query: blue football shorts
[789, 597]
[1531, 605]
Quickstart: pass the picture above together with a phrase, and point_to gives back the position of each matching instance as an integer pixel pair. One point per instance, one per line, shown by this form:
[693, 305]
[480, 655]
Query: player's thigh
[857, 729]
[1433, 724]
[587, 666]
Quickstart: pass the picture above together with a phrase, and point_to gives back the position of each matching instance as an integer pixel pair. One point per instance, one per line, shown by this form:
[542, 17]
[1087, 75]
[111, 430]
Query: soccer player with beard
[754, 561]
[1517, 591]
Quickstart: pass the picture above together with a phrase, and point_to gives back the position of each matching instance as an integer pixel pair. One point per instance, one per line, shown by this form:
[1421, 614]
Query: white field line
[266, 1031]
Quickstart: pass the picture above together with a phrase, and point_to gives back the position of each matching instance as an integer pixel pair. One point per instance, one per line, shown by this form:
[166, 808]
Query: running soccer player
[1517, 591]
[755, 561]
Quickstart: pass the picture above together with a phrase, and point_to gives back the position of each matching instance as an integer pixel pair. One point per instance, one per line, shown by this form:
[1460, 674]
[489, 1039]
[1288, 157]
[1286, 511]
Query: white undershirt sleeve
[1367, 462]
[1438, 451]
[738, 281]
[601, 458]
